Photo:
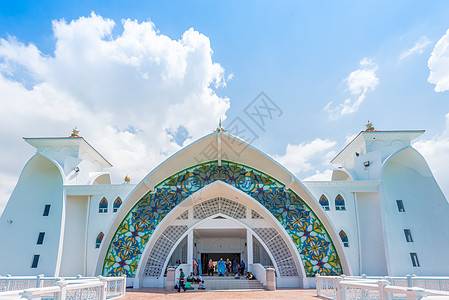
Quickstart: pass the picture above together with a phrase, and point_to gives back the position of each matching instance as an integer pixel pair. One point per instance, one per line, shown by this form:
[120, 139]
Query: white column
[249, 248]
[190, 249]
[170, 278]
[271, 279]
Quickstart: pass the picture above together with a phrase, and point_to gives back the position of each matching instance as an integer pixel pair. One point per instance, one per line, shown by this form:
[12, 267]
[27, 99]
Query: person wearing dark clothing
[242, 268]
[235, 266]
[181, 281]
[210, 269]
[228, 266]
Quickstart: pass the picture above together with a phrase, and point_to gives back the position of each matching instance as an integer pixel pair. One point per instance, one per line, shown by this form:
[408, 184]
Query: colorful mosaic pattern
[307, 232]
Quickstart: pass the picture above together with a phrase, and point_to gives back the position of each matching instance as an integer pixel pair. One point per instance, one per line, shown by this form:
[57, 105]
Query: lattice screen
[184, 253]
[255, 215]
[279, 249]
[276, 245]
[256, 252]
[219, 205]
[162, 248]
[184, 215]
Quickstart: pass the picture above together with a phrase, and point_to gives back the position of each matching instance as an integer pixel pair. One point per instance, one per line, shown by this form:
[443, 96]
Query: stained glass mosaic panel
[303, 226]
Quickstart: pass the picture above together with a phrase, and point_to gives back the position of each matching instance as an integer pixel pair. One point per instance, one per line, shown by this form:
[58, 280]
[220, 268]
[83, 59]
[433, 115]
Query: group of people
[178, 263]
[190, 279]
[227, 267]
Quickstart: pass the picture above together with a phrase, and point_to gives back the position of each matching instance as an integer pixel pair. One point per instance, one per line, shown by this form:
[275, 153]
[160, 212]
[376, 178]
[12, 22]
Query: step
[230, 283]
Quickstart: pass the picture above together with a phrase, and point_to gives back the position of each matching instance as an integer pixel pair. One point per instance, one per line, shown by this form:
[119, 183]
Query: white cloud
[302, 158]
[418, 48]
[439, 64]
[349, 138]
[436, 151]
[359, 82]
[320, 176]
[124, 93]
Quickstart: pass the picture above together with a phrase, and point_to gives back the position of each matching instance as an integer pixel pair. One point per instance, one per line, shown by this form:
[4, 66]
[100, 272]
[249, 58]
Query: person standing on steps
[210, 270]
[235, 267]
[242, 268]
[181, 281]
[228, 266]
[221, 267]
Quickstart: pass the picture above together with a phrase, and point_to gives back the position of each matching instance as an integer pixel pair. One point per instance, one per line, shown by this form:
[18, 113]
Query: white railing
[431, 283]
[18, 283]
[355, 288]
[259, 272]
[115, 286]
[74, 288]
[326, 286]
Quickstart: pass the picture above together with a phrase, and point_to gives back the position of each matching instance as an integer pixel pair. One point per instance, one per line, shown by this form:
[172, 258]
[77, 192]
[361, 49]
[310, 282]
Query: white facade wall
[39, 184]
[345, 220]
[98, 222]
[69, 175]
[73, 253]
[372, 260]
[408, 178]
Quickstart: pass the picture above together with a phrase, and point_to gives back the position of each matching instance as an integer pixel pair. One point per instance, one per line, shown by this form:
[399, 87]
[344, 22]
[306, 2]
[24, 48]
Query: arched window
[324, 203]
[344, 238]
[98, 240]
[103, 206]
[117, 204]
[339, 203]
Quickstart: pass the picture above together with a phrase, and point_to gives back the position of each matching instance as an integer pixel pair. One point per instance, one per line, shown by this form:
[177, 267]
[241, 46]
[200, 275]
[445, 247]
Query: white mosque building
[382, 213]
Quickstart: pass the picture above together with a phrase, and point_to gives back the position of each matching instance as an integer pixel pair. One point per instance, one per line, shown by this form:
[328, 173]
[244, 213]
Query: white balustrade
[259, 272]
[37, 287]
[386, 288]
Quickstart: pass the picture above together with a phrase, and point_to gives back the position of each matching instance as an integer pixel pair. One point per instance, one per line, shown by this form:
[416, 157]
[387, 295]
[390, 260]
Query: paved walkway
[160, 293]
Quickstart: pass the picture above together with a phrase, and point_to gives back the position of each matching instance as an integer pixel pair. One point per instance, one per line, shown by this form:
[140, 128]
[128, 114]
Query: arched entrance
[302, 228]
[220, 220]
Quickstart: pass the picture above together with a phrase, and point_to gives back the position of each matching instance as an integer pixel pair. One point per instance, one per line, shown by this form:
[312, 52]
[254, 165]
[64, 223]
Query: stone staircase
[215, 283]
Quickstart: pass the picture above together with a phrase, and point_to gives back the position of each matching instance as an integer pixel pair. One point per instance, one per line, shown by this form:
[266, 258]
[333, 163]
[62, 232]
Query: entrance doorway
[216, 257]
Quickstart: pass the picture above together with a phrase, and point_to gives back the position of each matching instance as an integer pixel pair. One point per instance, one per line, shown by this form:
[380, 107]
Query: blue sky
[302, 54]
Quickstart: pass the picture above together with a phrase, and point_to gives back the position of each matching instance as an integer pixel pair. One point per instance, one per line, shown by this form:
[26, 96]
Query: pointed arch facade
[301, 225]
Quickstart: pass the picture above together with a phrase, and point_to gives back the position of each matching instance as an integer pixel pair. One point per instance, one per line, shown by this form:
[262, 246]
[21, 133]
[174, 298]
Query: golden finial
[369, 126]
[75, 132]
[127, 179]
[220, 128]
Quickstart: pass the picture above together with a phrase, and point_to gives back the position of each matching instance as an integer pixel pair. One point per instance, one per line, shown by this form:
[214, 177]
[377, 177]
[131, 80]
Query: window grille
[35, 261]
[414, 258]
[103, 206]
[324, 203]
[340, 203]
[344, 238]
[47, 210]
[408, 235]
[117, 204]
[40, 239]
[98, 240]
[400, 206]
